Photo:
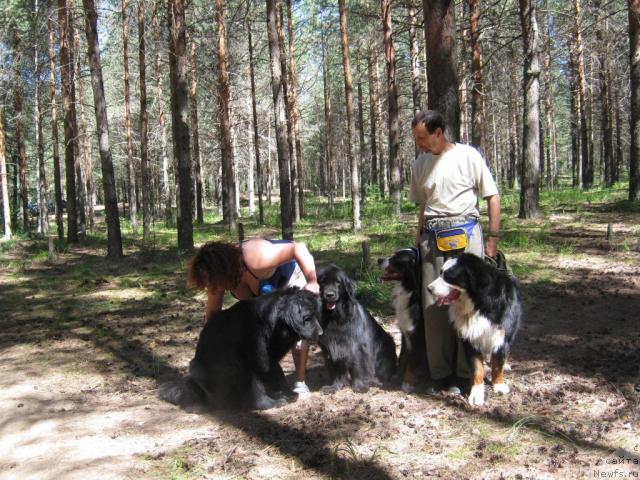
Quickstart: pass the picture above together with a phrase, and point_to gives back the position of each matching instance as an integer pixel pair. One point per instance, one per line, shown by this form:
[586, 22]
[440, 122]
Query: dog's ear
[349, 286]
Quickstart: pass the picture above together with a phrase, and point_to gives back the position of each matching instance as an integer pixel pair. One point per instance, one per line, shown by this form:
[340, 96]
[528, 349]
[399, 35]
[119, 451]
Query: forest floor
[85, 343]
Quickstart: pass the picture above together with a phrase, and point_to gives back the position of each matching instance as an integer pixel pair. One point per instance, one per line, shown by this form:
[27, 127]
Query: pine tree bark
[328, 141]
[634, 63]
[131, 171]
[19, 129]
[114, 238]
[416, 93]
[178, 61]
[70, 125]
[168, 192]
[348, 93]
[440, 39]
[478, 120]
[43, 197]
[549, 106]
[606, 129]
[392, 100]
[82, 159]
[373, 108]
[279, 103]
[54, 131]
[144, 127]
[530, 173]
[4, 187]
[587, 175]
[254, 112]
[295, 113]
[226, 147]
[197, 156]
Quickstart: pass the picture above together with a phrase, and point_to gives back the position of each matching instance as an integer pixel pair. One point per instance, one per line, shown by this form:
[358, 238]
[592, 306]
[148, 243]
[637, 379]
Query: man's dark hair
[431, 119]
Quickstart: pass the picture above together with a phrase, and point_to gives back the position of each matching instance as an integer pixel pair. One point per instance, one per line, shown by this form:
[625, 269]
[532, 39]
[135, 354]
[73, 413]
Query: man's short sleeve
[484, 182]
[416, 190]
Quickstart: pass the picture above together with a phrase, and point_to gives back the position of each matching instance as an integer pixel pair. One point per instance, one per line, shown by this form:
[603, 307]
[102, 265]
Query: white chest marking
[475, 327]
[401, 300]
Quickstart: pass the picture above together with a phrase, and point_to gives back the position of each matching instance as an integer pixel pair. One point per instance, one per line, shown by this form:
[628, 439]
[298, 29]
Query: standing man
[447, 181]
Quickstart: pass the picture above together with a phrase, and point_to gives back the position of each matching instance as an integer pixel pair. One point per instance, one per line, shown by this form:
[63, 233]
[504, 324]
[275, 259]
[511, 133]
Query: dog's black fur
[485, 309]
[236, 364]
[353, 343]
[403, 268]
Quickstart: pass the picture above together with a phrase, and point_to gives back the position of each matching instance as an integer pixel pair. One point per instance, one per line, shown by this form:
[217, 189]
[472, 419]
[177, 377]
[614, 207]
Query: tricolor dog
[485, 309]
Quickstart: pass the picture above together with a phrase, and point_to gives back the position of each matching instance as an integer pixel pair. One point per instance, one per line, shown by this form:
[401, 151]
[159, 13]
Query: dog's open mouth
[390, 274]
[449, 298]
[329, 306]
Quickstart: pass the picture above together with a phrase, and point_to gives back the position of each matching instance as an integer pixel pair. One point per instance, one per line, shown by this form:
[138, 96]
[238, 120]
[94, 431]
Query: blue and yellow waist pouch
[454, 238]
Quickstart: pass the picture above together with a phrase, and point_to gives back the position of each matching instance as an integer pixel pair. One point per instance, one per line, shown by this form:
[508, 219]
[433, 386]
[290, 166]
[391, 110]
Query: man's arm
[420, 223]
[493, 235]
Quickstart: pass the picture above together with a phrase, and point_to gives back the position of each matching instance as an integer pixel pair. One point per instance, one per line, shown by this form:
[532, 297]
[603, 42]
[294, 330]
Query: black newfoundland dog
[353, 343]
[236, 364]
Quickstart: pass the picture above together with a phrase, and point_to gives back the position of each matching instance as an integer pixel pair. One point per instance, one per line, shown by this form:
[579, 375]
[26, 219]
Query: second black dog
[355, 346]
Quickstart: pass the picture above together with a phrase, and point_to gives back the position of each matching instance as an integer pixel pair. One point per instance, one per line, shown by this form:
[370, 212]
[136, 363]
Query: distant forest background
[167, 111]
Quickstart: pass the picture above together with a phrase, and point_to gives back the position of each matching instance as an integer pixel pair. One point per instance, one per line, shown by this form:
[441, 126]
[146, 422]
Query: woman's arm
[214, 301]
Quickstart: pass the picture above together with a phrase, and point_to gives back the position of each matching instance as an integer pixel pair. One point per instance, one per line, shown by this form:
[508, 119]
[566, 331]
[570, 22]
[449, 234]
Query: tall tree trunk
[416, 92]
[131, 171]
[440, 38]
[552, 150]
[328, 141]
[54, 131]
[587, 176]
[279, 101]
[114, 238]
[364, 170]
[168, 193]
[144, 128]
[478, 121]
[373, 109]
[295, 113]
[178, 62]
[530, 173]
[81, 161]
[226, 147]
[575, 115]
[618, 159]
[43, 197]
[70, 126]
[634, 62]
[383, 161]
[392, 99]
[465, 115]
[4, 187]
[19, 128]
[254, 112]
[197, 156]
[348, 94]
[606, 129]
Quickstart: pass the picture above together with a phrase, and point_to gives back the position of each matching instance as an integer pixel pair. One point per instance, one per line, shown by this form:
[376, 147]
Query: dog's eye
[308, 319]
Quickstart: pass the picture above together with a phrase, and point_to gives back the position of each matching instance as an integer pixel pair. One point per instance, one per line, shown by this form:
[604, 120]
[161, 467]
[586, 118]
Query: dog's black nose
[380, 260]
[329, 295]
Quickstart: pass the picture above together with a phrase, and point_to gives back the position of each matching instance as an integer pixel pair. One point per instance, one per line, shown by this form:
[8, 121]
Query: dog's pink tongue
[448, 299]
[330, 306]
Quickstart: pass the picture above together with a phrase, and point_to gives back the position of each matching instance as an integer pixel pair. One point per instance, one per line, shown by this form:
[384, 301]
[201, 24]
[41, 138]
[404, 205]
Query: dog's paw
[360, 387]
[408, 387]
[476, 397]
[501, 388]
[328, 390]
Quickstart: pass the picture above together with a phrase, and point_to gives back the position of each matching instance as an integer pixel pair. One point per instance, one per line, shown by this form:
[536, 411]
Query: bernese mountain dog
[403, 268]
[485, 309]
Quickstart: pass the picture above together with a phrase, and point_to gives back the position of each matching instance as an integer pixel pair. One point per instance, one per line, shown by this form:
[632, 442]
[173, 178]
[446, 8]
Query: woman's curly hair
[217, 265]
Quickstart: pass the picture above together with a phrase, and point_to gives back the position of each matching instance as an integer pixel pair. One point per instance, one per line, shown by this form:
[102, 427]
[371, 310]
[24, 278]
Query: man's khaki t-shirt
[450, 184]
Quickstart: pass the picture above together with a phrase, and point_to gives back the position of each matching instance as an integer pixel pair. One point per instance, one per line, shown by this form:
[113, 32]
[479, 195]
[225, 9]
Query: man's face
[426, 141]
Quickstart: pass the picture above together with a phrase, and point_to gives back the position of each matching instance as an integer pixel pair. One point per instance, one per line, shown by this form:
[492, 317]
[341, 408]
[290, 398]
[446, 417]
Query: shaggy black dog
[353, 343]
[403, 268]
[236, 364]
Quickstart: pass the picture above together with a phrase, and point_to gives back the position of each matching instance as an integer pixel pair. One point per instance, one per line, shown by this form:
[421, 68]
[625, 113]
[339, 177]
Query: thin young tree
[114, 238]
[416, 93]
[197, 155]
[606, 117]
[18, 108]
[279, 100]
[4, 187]
[348, 94]
[440, 39]
[70, 125]
[392, 101]
[226, 148]
[131, 171]
[634, 62]
[478, 121]
[587, 171]
[373, 108]
[254, 113]
[43, 217]
[179, 83]
[530, 173]
[328, 141]
[144, 127]
[57, 182]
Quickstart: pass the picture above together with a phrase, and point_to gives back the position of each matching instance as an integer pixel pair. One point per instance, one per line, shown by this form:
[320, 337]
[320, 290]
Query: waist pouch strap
[453, 238]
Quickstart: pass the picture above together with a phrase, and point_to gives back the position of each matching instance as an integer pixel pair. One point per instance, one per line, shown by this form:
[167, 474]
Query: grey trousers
[444, 348]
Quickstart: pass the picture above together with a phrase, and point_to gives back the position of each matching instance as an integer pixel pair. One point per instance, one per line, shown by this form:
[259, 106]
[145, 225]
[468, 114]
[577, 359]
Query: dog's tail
[183, 392]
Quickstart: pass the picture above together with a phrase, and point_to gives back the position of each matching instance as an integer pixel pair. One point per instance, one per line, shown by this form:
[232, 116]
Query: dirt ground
[79, 375]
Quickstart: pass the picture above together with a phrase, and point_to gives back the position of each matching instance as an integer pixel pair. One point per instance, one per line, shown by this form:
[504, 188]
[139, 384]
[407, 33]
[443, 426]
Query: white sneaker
[301, 389]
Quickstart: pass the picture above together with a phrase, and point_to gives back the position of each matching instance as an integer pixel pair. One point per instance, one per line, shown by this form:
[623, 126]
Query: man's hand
[491, 246]
[313, 287]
